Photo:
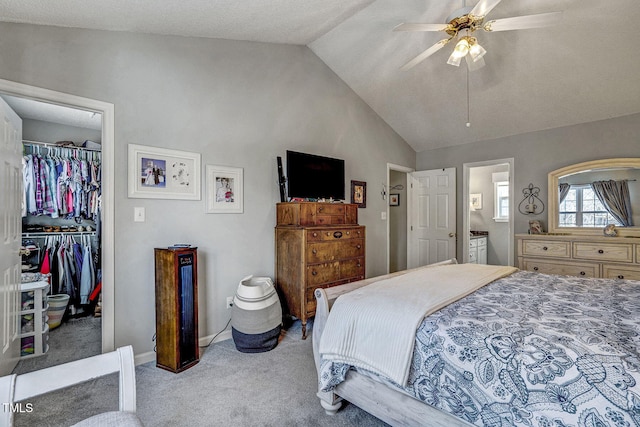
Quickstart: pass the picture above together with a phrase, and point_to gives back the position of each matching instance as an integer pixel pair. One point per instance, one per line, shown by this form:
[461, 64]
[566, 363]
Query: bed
[524, 349]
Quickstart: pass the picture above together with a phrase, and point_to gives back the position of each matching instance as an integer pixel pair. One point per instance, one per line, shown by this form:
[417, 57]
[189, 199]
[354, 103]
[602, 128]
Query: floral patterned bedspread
[530, 350]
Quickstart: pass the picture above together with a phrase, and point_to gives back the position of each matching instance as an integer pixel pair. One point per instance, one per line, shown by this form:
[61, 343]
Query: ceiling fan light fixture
[462, 48]
[476, 51]
[454, 59]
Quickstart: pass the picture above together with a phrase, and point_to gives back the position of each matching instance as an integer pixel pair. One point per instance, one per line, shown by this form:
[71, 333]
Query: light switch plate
[383, 215]
[138, 214]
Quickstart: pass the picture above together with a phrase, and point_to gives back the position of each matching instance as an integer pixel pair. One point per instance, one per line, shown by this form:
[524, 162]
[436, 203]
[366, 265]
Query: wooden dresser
[318, 245]
[577, 255]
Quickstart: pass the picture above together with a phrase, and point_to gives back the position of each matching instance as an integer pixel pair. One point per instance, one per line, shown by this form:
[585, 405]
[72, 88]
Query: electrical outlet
[229, 302]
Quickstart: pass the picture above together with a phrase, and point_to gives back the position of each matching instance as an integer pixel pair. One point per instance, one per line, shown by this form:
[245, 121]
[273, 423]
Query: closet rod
[53, 145]
[58, 233]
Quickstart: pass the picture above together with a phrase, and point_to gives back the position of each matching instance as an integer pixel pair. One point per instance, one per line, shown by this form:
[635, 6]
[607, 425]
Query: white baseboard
[150, 356]
[223, 336]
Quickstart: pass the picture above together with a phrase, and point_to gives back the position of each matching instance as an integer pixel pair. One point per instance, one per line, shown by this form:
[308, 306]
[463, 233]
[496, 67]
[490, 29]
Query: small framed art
[224, 189]
[359, 193]
[535, 227]
[394, 199]
[476, 201]
[161, 173]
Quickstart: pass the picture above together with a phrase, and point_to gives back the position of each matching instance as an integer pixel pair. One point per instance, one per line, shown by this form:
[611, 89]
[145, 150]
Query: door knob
[452, 234]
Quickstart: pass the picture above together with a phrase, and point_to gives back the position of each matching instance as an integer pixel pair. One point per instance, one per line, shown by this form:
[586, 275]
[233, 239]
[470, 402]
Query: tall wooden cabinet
[318, 245]
[176, 308]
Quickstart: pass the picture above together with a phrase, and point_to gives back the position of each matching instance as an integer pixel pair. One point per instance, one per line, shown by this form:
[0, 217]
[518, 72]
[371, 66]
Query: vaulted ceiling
[584, 69]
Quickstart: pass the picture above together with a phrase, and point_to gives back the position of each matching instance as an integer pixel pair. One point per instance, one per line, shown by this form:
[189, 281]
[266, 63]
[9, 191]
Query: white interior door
[432, 233]
[11, 208]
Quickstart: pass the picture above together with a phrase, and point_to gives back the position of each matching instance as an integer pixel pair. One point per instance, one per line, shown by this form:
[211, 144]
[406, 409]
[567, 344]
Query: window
[501, 209]
[582, 208]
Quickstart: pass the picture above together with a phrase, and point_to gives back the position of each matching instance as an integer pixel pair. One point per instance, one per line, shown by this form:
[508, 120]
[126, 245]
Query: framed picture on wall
[394, 199]
[161, 173]
[359, 193]
[224, 189]
[476, 201]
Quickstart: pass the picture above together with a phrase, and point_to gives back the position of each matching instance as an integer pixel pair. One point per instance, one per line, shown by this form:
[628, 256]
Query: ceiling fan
[462, 25]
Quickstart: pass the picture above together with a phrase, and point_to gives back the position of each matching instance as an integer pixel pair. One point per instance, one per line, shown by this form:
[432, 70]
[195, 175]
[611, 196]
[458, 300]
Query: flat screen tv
[314, 177]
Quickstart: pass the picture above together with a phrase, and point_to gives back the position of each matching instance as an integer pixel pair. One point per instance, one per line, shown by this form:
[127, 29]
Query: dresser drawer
[330, 251]
[562, 268]
[546, 248]
[330, 214]
[333, 233]
[330, 209]
[612, 271]
[618, 252]
[319, 274]
[310, 299]
[352, 269]
[329, 220]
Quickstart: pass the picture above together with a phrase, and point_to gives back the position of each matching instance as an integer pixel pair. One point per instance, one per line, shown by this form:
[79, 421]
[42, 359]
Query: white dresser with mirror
[576, 243]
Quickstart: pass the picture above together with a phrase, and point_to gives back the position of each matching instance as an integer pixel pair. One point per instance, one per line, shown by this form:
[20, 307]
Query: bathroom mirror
[578, 210]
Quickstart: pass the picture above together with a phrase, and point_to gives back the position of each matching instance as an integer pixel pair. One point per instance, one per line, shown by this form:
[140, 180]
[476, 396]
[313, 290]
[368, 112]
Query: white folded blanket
[374, 326]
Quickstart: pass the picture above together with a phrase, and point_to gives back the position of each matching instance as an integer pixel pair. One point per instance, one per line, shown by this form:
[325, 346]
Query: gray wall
[538, 153]
[239, 104]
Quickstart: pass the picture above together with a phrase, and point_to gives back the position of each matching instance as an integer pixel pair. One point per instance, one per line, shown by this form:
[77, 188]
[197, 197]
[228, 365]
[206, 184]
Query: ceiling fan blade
[523, 22]
[424, 55]
[421, 27]
[484, 7]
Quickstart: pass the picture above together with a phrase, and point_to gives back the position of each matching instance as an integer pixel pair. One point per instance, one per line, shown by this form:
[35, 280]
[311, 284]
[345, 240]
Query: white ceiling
[583, 70]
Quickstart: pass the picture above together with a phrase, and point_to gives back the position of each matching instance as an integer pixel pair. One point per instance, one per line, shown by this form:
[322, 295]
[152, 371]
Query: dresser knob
[358, 246]
[600, 251]
[328, 234]
[314, 273]
[314, 251]
[544, 248]
[348, 233]
[620, 276]
[582, 273]
[315, 234]
[535, 268]
[359, 265]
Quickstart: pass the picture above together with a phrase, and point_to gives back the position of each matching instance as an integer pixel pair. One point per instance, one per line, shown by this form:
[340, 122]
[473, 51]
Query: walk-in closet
[60, 312]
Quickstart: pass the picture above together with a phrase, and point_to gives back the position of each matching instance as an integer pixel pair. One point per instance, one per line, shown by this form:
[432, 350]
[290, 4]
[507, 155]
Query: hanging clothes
[65, 182]
[87, 277]
[72, 266]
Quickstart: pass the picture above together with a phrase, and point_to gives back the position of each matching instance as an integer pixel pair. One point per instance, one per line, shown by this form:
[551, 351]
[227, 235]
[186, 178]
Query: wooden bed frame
[388, 404]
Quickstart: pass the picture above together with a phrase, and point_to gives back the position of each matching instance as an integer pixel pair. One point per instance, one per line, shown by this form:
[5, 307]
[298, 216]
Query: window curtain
[614, 195]
[564, 190]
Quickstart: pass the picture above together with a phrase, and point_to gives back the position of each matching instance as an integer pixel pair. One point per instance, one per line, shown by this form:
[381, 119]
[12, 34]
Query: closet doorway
[43, 113]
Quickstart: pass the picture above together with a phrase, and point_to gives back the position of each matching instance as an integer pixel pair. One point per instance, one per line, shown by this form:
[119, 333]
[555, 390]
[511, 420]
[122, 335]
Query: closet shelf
[54, 145]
